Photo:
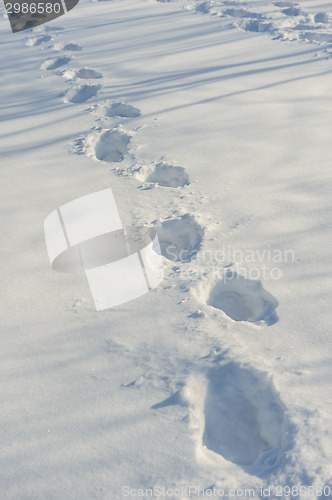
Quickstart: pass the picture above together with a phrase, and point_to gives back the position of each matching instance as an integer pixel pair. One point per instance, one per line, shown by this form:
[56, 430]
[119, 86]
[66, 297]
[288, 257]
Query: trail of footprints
[241, 413]
[283, 20]
[291, 23]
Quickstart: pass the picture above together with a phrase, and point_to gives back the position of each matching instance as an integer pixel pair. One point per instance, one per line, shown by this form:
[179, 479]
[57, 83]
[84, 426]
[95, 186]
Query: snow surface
[210, 121]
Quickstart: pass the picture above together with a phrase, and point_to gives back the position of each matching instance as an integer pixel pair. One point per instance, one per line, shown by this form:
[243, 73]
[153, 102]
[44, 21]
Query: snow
[164, 174]
[55, 63]
[82, 94]
[84, 73]
[180, 237]
[211, 122]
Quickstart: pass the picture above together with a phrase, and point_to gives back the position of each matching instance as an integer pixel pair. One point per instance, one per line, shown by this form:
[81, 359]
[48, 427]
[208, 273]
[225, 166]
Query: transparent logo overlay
[27, 14]
[120, 263]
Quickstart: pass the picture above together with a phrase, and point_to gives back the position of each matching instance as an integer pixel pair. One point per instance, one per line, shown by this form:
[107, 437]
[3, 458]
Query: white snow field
[211, 122]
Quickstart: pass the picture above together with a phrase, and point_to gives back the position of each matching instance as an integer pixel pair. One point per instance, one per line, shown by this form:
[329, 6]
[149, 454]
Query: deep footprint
[165, 175]
[86, 73]
[243, 299]
[203, 8]
[50, 64]
[241, 13]
[257, 26]
[82, 73]
[38, 40]
[180, 239]
[283, 4]
[291, 11]
[108, 145]
[73, 47]
[243, 415]
[118, 109]
[82, 94]
[321, 17]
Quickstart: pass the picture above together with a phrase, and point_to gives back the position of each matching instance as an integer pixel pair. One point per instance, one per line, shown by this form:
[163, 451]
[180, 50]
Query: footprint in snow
[283, 4]
[243, 415]
[74, 47]
[291, 11]
[241, 13]
[82, 73]
[164, 174]
[38, 40]
[107, 145]
[243, 299]
[203, 8]
[309, 36]
[257, 26]
[235, 412]
[180, 239]
[321, 17]
[50, 64]
[116, 109]
[82, 94]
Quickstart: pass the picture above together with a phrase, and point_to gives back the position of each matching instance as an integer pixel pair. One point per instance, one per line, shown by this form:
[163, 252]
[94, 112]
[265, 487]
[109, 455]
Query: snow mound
[243, 415]
[180, 238]
[82, 93]
[165, 175]
[243, 299]
[108, 145]
[55, 63]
